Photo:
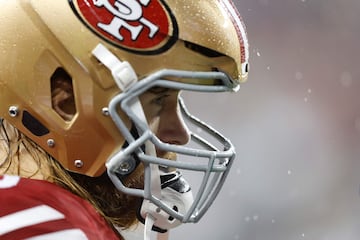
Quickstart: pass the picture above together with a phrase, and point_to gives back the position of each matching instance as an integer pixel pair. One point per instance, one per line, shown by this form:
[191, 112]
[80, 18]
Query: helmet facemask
[208, 155]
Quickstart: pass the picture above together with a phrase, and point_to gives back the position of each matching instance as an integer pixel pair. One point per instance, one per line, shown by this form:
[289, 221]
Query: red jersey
[38, 210]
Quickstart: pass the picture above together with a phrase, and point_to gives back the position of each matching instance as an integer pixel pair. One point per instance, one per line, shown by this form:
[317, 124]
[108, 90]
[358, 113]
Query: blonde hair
[117, 208]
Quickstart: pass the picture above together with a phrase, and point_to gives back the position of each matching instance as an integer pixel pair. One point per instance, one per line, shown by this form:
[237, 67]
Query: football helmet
[110, 52]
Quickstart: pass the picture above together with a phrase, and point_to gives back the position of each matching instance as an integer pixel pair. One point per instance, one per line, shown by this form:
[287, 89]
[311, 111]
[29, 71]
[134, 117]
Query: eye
[158, 104]
[159, 100]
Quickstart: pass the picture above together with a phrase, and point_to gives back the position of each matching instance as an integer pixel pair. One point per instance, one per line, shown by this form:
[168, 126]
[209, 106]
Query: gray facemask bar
[219, 160]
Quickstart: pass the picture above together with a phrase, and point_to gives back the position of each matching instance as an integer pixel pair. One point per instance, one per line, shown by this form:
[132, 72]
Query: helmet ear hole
[62, 94]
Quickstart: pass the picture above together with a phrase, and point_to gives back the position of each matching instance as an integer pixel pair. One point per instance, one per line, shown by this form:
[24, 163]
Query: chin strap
[149, 223]
[177, 194]
[122, 72]
[155, 190]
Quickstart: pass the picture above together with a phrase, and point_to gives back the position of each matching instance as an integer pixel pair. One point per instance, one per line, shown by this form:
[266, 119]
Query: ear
[62, 94]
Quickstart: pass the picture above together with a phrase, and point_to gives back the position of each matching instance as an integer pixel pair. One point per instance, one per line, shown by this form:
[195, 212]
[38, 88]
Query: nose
[172, 128]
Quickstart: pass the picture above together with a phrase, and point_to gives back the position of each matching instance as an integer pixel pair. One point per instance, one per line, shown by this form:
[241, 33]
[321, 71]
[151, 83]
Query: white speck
[255, 217]
[303, 234]
[258, 54]
[272, 220]
[289, 172]
[309, 90]
[268, 68]
[247, 219]
[306, 99]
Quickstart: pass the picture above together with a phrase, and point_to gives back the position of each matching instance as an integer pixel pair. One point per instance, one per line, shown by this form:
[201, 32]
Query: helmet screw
[125, 167]
[105, 111]
[78, 163]
[13, 111]
[50, 142]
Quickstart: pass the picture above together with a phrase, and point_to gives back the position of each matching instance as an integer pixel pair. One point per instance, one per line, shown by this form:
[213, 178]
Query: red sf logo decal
[140, 26]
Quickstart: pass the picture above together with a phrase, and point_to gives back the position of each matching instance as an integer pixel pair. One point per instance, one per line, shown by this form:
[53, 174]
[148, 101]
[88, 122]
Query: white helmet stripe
[240, 27]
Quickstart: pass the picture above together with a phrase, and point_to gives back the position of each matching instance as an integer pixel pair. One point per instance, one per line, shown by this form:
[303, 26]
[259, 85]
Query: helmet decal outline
[146, 27]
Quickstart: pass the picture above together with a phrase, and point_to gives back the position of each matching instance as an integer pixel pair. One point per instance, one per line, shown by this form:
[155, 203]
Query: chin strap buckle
[122, 72]
[149, 223]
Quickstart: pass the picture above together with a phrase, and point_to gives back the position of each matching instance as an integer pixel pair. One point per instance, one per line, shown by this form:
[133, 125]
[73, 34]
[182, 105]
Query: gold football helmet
[110, 52]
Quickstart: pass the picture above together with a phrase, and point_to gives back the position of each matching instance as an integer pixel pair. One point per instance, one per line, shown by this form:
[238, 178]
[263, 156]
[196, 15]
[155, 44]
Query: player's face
[162, 111]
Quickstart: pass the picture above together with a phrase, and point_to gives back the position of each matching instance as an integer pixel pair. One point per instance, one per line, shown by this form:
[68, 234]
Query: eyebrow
[158, 90]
